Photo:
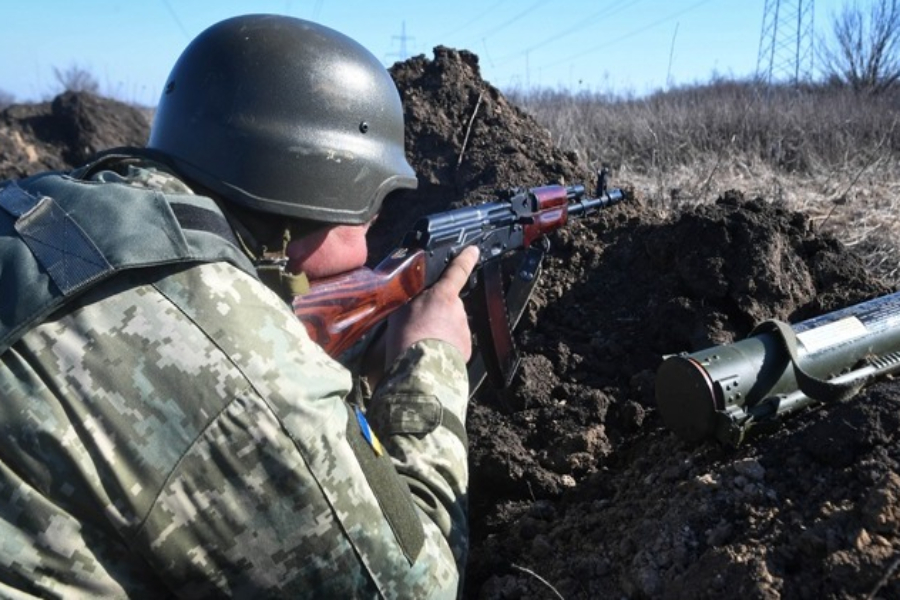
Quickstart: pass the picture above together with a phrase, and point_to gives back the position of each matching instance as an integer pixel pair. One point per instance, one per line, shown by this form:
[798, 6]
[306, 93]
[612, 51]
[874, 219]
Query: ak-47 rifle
[338, 311]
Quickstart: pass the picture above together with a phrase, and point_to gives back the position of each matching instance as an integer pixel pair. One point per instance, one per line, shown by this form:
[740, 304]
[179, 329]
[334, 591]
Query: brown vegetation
[827, 151]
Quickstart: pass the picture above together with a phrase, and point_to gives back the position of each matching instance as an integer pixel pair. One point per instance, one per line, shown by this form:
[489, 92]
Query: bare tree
[864, 52]
[76, 79]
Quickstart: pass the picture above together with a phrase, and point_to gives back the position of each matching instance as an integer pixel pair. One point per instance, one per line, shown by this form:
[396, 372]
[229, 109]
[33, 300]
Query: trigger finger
[457, 274]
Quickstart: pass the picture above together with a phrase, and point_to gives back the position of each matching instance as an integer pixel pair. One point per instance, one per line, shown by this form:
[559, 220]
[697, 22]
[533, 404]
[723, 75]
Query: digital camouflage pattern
[175, 432]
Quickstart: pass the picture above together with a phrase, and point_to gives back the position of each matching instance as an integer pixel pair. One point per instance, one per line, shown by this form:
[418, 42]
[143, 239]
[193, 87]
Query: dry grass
[828, 152]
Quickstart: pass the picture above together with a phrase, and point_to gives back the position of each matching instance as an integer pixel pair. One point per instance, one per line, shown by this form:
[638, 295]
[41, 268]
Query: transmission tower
[403, 54]
[786, 41]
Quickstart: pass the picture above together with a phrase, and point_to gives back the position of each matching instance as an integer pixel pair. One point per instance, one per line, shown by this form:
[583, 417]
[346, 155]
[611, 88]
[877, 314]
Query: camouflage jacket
[173, 431]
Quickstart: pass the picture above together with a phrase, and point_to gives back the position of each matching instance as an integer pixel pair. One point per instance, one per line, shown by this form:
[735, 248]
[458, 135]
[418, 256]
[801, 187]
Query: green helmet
[285, 116]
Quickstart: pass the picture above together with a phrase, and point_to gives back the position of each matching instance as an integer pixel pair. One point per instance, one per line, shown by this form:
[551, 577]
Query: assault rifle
[339, 310]
[728, 390]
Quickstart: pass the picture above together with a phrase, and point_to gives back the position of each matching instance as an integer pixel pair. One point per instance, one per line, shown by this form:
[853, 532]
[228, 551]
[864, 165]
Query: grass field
[828, 152]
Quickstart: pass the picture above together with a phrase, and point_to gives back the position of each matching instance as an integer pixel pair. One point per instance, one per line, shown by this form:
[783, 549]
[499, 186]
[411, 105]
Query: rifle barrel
[586, 206]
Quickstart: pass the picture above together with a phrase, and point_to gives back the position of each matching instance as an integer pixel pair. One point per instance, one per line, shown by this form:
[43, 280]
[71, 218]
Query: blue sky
[621, 46]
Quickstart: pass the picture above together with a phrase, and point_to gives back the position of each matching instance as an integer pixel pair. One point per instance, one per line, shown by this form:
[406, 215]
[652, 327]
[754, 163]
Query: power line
[486, 53]
[509, 22]
[175, 18]
[628, 35]
[317, 9]
[582, 23]
[472, 21]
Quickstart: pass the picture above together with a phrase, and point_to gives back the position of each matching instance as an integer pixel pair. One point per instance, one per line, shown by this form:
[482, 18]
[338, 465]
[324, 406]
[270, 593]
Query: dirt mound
[577, 489]
[465, 137]
[577, 481]
[466, 142]
[63, 133]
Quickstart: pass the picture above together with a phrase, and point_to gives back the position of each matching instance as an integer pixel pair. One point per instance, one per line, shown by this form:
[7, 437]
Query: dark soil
[65, 132]
[578, 491]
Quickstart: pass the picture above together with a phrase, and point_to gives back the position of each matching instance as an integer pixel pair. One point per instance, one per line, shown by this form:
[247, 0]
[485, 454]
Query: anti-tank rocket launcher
[728, 390]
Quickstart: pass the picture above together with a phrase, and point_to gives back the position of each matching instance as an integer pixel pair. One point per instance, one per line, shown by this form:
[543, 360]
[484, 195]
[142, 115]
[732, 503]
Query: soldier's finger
[457, 274]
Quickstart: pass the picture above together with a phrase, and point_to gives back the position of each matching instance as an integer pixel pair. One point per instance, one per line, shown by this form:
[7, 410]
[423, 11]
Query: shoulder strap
[60, 246]
[59, 236]
[818, 389]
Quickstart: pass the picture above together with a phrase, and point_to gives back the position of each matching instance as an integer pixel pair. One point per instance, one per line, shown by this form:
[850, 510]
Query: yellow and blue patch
[367, 432]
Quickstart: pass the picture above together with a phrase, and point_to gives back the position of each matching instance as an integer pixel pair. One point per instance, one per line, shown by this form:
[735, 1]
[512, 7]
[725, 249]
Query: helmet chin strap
[287, 285]
[269, 259]
[270, 267]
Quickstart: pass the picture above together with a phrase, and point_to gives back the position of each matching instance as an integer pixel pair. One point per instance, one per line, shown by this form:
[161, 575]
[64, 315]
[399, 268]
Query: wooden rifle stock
[337, 311]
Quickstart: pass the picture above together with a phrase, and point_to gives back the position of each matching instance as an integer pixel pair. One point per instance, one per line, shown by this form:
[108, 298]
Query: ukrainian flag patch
[367, 432]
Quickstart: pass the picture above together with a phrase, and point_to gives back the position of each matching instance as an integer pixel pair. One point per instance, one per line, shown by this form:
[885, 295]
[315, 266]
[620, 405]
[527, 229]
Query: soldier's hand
[437, 313]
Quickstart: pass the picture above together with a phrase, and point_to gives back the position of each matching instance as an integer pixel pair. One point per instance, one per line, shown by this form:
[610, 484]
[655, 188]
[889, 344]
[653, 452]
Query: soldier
[169, 428]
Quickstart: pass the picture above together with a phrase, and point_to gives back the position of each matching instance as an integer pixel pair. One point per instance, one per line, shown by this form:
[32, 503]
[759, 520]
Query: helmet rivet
[364, 127]
[170, 87]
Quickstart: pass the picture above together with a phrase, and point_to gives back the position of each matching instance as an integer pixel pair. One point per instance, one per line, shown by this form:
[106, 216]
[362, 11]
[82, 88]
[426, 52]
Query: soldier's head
[284, 117]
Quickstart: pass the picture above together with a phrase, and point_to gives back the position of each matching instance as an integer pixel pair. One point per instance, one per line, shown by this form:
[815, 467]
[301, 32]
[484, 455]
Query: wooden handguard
[551, 212]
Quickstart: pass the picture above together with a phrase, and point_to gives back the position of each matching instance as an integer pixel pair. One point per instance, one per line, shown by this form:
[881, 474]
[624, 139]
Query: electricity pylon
[786, 41]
